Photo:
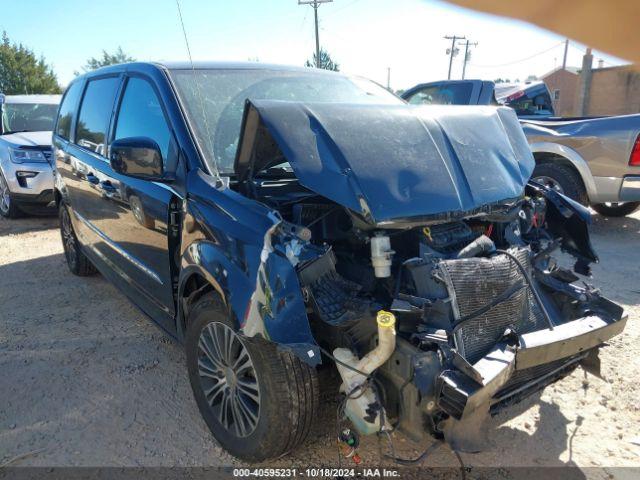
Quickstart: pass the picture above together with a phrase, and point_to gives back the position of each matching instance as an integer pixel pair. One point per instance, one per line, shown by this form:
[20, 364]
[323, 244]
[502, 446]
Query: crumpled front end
[483, 313]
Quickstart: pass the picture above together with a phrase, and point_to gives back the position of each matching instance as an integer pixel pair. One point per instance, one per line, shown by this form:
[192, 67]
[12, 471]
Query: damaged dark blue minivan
[279, 221]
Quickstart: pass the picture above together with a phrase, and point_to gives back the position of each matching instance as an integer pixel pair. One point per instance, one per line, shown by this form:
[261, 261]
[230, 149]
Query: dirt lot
[88, 380]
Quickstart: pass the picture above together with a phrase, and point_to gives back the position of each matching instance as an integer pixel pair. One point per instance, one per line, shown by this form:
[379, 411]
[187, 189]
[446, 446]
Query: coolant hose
[482, 244]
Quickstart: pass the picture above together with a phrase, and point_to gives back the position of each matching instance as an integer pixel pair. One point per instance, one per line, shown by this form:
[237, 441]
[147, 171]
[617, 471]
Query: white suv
[26, 177]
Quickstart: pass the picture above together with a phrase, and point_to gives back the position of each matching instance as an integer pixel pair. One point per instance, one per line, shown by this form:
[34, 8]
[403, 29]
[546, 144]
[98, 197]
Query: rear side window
[456, 94]
[67, 109]
[141, 115]
[95, 113]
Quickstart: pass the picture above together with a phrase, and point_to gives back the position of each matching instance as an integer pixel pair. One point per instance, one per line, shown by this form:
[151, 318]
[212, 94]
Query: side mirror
[137, 157]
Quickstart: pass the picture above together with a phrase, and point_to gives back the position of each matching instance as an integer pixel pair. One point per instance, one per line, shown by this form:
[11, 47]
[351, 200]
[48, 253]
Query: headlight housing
[19, 155]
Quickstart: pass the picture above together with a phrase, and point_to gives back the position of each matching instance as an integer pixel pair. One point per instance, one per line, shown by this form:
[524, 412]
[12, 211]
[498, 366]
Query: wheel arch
[545, 152]
[194, 282]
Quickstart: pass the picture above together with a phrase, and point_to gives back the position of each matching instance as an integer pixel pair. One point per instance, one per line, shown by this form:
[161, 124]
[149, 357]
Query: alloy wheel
[552, 183]
[228, 379]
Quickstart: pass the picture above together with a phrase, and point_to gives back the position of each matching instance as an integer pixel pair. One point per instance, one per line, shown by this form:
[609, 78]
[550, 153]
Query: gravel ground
[87, 380]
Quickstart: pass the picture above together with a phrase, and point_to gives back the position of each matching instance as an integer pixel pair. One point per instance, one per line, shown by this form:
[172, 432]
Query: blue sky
[364, 36]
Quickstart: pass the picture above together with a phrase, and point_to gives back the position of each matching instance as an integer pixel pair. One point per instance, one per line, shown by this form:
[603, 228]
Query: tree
[107, 59]
[22, 73]
[326, 61]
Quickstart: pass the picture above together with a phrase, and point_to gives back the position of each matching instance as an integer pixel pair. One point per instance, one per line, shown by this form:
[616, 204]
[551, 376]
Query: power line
[315, 4]
[304, 20]
[518, 61]
[331, 14]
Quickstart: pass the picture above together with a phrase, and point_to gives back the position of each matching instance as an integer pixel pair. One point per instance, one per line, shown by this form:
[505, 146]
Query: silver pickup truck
[595, 161]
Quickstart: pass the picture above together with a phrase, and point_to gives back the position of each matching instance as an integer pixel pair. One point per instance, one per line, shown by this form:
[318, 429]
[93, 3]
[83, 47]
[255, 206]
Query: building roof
[574, 70]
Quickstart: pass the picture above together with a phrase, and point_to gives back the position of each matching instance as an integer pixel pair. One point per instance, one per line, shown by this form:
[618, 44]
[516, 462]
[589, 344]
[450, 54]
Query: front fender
[245, 259]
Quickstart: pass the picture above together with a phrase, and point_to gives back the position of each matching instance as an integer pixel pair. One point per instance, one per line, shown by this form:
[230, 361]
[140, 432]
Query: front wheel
[8, 207]
[616, 209]
[257, 401]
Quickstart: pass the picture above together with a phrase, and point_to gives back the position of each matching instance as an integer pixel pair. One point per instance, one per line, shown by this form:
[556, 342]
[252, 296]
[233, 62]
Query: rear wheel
[562, 179]
[257, 401]
[77, 261]
[616, 209]
[8, 207]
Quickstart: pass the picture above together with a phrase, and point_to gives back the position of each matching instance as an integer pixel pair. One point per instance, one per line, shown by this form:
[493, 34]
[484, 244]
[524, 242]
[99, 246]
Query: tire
[287, 388]
[8, 206]
[616, 209]
[77, 261]
[563, 179]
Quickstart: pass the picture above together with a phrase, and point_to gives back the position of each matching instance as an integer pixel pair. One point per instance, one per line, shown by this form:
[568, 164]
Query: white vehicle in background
[26, 177]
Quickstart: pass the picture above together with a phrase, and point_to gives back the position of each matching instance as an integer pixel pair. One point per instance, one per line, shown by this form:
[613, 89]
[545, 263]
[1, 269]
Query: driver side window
[141, 115]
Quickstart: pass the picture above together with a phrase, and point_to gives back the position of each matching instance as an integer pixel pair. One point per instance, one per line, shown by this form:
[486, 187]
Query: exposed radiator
[473, 283]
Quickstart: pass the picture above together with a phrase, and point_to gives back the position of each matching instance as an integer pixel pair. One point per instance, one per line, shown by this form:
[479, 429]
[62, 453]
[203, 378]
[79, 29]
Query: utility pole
[466, 55]
[564, 59]
[315, 4]
[452, 51]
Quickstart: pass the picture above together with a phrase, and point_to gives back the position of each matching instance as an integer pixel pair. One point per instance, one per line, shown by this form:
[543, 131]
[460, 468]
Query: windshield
[28, 117]
[214, 101]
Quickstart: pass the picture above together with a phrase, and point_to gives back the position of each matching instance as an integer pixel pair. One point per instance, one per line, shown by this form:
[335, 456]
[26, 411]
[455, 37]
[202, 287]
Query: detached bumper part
[506, 371]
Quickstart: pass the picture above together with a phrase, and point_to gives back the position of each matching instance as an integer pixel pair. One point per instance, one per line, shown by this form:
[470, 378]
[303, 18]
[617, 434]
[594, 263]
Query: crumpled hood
[28, 139]
[392, 161]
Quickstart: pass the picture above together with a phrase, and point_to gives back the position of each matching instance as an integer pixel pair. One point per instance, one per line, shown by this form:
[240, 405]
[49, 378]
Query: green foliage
[22, 73]
[326, 61]
[107, 59]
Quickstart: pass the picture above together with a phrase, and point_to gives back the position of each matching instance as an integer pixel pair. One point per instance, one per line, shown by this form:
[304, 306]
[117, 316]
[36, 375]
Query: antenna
[200, 97]
[184, 32]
